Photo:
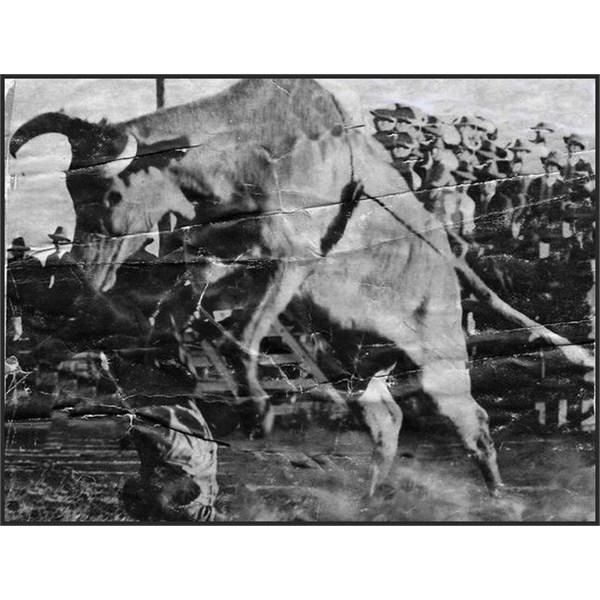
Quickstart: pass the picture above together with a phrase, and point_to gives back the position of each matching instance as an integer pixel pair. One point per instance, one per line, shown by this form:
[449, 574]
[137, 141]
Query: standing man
[23, 275]
[472, 135]
[540, 147]
[178, 465]
[512, 193]
[578, 173]
[64, 279]
[548, 194]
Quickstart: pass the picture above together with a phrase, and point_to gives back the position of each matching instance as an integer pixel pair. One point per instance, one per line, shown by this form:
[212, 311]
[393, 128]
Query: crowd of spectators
[524, 210]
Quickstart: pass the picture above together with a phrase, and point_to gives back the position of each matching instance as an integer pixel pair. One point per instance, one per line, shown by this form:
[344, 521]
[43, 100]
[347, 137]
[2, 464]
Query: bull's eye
[113, 198]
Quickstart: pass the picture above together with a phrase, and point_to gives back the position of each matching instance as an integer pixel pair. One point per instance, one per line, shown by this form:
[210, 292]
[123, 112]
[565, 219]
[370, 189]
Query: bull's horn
[117, 165]
[52, 122]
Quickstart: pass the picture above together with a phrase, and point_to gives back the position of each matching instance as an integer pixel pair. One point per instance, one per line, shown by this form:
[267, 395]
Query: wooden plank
[307, 359]
[220, 365]
[271, 360]
[296, 385]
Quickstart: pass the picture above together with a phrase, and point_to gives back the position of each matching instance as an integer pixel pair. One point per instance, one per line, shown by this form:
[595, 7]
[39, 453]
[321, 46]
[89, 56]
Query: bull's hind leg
[448, 384]
[383, 418]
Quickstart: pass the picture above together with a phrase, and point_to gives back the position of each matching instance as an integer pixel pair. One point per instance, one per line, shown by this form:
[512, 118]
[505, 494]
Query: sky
[39, 201]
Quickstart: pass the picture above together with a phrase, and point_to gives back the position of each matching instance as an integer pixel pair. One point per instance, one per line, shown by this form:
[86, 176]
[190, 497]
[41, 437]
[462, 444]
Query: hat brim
[536, 128]
[59, 238]
[487, 154]
[384, 114]
[553, 162]
[571, 142]
[432, 129]
[465, 175]
[16, 248]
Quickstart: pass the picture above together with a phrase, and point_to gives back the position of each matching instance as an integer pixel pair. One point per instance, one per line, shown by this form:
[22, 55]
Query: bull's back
[268, 112]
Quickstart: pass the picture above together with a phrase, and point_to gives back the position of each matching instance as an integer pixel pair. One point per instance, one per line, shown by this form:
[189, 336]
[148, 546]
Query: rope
[400, 220]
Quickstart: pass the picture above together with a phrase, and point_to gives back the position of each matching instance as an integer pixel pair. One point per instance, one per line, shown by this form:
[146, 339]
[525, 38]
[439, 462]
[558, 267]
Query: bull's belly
[414, 303]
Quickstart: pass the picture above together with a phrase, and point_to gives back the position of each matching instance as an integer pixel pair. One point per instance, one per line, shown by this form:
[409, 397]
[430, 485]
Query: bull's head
[108, 164]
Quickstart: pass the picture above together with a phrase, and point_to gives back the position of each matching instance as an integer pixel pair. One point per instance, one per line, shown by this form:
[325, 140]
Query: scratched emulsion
[286, 299]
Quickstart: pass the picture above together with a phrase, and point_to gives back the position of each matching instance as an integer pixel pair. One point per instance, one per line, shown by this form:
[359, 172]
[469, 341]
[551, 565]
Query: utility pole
[164, 224]
[160, 92]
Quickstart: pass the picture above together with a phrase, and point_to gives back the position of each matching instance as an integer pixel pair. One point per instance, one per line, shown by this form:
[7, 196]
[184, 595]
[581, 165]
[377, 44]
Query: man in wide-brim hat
[395, 119]
[491, 153]
[554, 159]
[573, 142]
[549, 193]
[59, 236]
[464, 173]
[520, 145]
[405, 152]
[519, 149]
[63, 276]
[18, 245]
[539, 141]
[471, 133]
[543, 126]
[490, 129]
[577, 171]
[488, 151]
[22, 276]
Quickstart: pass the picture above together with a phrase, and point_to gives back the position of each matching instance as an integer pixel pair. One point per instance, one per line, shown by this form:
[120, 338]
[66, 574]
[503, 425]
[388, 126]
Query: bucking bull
[279, 198]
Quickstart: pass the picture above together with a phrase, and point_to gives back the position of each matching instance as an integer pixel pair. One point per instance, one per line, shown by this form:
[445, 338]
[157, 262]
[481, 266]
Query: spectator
[578, 173]
[23, 276]
[540, 147]
[64, 277]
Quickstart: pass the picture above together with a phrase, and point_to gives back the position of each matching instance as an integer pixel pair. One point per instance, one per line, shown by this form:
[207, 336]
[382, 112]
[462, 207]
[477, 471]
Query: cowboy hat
[488, 151]
[432, 128]
[465, 172]
[59, 235]
[554, 158]
[410, 114]
[489, 170]
[542, 126]
[19, 244]
[520, 145]
[384, 113]
[468, 121]
[574, 140]
[400, 114]
[486, 125]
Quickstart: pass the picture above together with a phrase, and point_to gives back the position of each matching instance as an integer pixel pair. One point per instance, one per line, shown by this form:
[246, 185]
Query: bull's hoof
[381, 493]
[497, 491]
[385, 491]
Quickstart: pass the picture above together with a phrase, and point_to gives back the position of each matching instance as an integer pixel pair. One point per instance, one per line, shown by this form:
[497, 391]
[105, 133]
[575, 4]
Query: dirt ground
[70, 470]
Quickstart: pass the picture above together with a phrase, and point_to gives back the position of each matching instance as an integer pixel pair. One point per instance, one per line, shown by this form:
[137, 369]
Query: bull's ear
[118, 164]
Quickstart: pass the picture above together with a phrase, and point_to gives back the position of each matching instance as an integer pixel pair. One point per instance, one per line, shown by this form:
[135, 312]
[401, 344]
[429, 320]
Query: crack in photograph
[260, 300]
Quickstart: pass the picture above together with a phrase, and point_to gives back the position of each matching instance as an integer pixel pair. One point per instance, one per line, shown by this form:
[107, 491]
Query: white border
[310, 562]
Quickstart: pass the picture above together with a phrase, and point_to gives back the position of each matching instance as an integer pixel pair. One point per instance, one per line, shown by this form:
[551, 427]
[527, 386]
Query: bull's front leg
[279, 291]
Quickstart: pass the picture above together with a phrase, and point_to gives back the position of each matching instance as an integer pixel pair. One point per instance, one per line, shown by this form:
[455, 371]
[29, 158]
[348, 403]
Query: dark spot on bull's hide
[158, 155]
[337, 130]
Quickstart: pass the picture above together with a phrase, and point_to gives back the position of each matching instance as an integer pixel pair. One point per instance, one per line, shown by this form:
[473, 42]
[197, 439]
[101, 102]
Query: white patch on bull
[120, 163]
